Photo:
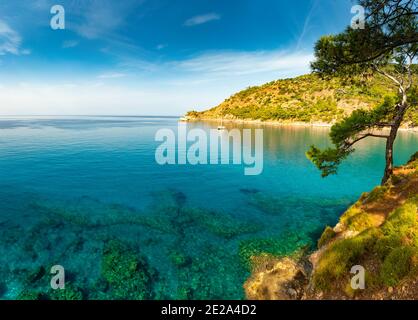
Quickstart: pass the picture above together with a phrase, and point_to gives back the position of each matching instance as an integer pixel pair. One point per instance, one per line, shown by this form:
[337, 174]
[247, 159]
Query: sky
[153, 57]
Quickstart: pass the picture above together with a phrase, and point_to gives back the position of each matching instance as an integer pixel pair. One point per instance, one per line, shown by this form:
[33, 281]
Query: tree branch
[387, 75]
[348, 145]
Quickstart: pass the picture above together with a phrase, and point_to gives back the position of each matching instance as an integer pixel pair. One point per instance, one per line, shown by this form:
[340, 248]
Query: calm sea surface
[69, 186]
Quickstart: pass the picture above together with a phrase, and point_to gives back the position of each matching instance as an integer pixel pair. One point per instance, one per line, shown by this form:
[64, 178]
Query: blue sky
[153, 57]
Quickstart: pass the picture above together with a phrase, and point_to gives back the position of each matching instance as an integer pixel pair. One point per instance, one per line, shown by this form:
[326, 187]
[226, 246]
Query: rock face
[283, 279]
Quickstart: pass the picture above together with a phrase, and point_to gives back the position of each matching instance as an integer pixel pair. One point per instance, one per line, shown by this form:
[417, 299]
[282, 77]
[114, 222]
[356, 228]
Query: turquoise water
[75, 190]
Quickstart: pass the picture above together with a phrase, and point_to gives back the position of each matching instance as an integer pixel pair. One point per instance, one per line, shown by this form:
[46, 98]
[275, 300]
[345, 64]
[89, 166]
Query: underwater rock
[30, 295]
[3, 289]
[69, 293]
[169, 200]
[208, 276]
[223, 224]
[279, 246]
[179, 259]
[199, 252]
[249, 191]
[127, 273]
[274, 205]
[35, 275]
[179, 197]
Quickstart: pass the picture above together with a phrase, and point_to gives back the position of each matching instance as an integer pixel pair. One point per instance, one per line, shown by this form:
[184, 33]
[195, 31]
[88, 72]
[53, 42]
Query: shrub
[397, 265]
[400, 228]
[326, 237]
[338, 259]
[356, 220]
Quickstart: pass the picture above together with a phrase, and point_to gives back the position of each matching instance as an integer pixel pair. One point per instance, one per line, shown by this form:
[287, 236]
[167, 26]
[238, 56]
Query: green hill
[307, 98]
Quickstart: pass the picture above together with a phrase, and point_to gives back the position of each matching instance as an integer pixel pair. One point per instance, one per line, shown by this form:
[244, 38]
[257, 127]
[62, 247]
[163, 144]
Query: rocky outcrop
[278, 279]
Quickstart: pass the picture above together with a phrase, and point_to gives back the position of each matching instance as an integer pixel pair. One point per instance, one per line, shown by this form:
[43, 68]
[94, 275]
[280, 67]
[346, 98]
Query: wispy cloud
[70, 44]
[173, 88]
[201, 19]
[114, 75]
[10, 40]
[224, 64]
[245, 63]
[307, 24]
[161, 46]
[100, 19]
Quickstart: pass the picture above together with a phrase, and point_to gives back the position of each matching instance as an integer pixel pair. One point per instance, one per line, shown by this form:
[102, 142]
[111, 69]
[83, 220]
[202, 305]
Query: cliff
[379, 232]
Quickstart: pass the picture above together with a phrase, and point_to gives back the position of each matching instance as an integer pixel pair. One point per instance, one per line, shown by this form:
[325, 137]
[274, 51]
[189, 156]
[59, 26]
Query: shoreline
[275, 123]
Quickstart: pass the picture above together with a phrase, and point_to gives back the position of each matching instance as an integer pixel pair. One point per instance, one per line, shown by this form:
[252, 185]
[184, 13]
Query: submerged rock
[249, 191]
[127, 273]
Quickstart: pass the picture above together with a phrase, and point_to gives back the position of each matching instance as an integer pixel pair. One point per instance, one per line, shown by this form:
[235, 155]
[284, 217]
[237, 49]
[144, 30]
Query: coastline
[275, 123]
[370, 228]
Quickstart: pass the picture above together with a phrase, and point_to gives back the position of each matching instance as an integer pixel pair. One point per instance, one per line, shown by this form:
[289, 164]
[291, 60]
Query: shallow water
[70, 185]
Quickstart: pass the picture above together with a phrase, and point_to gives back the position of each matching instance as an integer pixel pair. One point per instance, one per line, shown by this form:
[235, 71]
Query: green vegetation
[338, 259]
[29, 295]
[355, 219]
[251, 251]
[389, 248]
[395, 245]
[179, 259]
[307, 98]
[388, 46]
[364, 80]
[397, 265]
[326, 236]
[127, 273]
[69, 293]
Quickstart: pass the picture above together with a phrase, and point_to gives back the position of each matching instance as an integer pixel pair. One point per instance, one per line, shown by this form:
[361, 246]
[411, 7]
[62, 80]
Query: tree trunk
[389, 154]
[392, 137]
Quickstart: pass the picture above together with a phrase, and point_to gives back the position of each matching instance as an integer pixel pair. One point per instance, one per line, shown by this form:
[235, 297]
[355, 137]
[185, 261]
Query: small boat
[221, 127]
[184, 119]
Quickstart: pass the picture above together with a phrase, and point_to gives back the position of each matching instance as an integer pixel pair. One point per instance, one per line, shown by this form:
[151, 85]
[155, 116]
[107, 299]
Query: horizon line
[88, 115]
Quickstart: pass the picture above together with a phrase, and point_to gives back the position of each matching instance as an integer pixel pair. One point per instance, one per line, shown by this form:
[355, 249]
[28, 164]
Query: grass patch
[338, 259]
[326, 236]
[393, 246]
[356, 219]
[377, 193]
[397, 265]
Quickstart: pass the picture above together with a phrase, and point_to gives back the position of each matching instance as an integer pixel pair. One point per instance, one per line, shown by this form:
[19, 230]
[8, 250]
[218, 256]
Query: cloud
[101, 18]
[112, 75]
[245, 63]
[307, 23]
[161, 46]
[70, 44]
[47, 99]
[152, 87]
[201, 19]
[224, 64]
[10, 40]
